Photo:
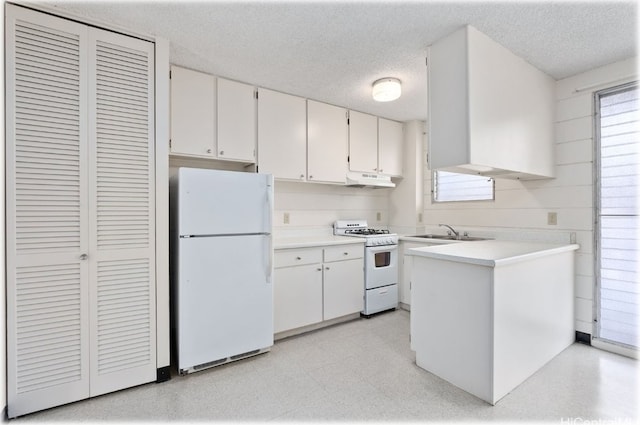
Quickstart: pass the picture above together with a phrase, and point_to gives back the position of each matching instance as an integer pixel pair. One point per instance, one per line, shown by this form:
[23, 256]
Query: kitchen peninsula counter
[491, 252]
[486, 315]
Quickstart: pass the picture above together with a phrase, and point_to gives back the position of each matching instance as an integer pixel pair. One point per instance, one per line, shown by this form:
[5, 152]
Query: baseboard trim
[583, 337]
[163, 374]
[613, 348]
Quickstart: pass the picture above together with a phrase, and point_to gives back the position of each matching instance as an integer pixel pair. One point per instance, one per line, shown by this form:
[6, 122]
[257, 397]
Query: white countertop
[491, 253]
[312, 241]
[428, 240]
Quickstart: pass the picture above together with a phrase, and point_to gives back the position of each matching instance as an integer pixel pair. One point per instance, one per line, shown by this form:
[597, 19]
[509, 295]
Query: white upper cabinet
[237, 116]
[390, 138]
[193, 103]
[363, 142]
[327, 142]
[375, 144]
[282, 135]
[490, 112]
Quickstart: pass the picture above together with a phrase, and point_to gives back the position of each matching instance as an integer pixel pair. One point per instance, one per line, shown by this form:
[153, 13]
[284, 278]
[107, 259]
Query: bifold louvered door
[79, 200]
[122, 212]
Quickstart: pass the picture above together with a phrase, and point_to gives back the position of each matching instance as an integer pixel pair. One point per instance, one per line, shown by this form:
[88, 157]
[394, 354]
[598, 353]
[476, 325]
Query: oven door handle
[382, 248]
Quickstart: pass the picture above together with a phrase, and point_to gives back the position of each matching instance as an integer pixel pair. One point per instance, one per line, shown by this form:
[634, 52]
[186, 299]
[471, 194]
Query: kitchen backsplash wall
[522, 207]
[312, 208]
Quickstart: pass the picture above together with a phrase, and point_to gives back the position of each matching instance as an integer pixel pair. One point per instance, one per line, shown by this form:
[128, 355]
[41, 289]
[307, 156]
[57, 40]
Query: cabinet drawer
[297, 257]
[343, 252]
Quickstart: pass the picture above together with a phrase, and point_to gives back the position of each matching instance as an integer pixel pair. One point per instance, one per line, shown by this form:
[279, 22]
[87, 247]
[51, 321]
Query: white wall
[406, 200]
[523, 206]
[313, 207]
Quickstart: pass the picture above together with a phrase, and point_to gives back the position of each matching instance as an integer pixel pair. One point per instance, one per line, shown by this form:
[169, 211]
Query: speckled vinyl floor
[364, 370]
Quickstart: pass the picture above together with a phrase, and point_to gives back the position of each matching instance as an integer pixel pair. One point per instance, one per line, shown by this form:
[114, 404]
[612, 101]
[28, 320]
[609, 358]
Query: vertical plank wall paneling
[524, 205]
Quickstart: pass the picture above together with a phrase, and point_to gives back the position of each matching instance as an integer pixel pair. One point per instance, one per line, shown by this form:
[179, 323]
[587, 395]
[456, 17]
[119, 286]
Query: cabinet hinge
[348, 121]
[257, 169]
[426, 61]
[169, 143]
[348, 158]
[256, 94]
[169, 74]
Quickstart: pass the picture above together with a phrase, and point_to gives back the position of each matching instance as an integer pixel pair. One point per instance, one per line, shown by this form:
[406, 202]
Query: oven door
[380, 266]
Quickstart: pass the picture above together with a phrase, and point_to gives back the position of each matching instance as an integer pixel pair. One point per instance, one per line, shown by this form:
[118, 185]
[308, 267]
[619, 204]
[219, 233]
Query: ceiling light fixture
[386, 89]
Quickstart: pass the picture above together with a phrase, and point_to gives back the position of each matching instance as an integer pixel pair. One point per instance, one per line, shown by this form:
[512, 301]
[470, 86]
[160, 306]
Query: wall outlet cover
[286, 218]
[552, 218]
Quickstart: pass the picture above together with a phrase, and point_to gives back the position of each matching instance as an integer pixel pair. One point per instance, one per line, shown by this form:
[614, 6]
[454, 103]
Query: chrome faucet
[452, 229]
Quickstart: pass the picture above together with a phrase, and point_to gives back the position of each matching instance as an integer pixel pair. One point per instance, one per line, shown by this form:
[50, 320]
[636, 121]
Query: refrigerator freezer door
[225, 298]
[215, 202]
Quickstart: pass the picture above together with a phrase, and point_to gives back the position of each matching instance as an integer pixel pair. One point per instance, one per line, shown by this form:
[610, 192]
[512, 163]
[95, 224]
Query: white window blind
[617, 262]
[452, 187]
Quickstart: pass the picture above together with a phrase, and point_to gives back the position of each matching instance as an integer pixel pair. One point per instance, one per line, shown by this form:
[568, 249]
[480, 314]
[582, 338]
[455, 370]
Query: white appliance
[369, 180]
[380, 264]
[222, 259]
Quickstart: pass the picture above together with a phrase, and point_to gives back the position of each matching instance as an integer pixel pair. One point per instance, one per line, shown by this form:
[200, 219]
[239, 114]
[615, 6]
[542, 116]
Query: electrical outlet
[286, 218]
[552, 218]
[378, 216]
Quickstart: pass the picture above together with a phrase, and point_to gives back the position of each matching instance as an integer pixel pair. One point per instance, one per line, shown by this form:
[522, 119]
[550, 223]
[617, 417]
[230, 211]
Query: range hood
[369, 180]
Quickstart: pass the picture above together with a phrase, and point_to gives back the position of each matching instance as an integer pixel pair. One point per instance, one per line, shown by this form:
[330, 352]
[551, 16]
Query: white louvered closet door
[122, 212]
[80, 211]
[47, 216]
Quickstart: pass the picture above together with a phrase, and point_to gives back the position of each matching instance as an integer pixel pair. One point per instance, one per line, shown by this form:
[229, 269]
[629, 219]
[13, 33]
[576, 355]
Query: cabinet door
[46, 201]
[363, 142]
[121, 212]
[193, 103]
[236, 121]
[343, 288]
[282, 135]
[297, 297]
[390, 137]
[327, 143]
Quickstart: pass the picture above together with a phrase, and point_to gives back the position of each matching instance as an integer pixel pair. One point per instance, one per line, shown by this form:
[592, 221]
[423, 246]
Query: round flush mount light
[386, 89]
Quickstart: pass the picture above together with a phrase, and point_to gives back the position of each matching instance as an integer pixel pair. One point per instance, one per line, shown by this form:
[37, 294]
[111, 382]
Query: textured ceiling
[333, 51]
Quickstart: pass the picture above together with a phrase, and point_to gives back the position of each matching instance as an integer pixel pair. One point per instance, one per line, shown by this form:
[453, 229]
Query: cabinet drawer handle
[319, 269]
[298, 258]
[208, 150]
[83, 257]
[326, 268]
[221, 152]
[310, 177]
[301, 176]
[346, 253]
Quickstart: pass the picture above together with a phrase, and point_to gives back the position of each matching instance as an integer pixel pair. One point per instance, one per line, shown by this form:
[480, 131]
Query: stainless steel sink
[449, 237]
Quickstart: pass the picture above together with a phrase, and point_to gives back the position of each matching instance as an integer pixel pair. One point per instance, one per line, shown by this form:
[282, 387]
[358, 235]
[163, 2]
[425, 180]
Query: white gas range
[380, 264]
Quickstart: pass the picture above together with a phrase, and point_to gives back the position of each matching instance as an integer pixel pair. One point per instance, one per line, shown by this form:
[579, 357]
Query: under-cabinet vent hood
[369, 180]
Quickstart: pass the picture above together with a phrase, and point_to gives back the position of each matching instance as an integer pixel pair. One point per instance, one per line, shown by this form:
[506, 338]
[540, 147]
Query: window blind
[451, 187]
[618, 161]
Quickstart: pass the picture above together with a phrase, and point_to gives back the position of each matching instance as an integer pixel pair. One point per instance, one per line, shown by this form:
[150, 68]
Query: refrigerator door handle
[269, 203]
[269, 249]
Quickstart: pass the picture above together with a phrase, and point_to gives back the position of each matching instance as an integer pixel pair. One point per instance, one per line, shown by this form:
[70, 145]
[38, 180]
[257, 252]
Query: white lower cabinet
[404, 290]
[343, 281]
[297, 297]
[312, 285]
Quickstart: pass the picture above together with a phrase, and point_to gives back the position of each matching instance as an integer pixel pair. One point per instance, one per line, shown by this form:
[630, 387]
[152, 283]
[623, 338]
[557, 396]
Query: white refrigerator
[222, 266]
